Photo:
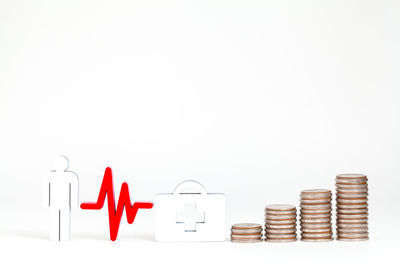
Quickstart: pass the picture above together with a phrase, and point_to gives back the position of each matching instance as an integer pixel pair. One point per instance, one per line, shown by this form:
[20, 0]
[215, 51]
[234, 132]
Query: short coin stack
[280, 223]
[246, 232]
[316, 215]
[352, 207]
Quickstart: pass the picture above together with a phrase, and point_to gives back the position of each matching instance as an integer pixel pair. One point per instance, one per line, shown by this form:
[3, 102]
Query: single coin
[315, 216]
[316, 196]
[351, 226]
[315, 201]
[314, 211]
[316, 235]
[315, 226]
[351, 216]
[322, 220]
[317, 230]
[284, 240]
[282, 226]
[351, 239]
[351, 206]
[352, 230]
[244, 226]
[350, 196]
[352, 211]
[354, 201]
[351, 186]
[315, 191]
[351, 191]
[352, 235]
[280, 222]
[281, 217]
[280, 236]
[246, 232]
[316, 207]
[317, 239]
[285, 212]
[351, 181]
[246, 240]
[281, 231]
[245, 236]
[354, 221]
[351, 176]
[280, 207]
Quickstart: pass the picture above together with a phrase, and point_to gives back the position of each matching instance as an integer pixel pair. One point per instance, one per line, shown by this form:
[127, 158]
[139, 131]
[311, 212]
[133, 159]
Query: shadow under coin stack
[316, 215]
[280, 223]
[352, 207]
[246, 232]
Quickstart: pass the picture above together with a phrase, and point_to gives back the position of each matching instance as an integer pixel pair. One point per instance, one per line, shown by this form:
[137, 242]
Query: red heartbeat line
[114, 215]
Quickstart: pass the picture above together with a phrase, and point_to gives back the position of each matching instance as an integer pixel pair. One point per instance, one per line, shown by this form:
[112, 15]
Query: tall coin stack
[352, 207]
[280, 223]
[316, 215]
[246, 232]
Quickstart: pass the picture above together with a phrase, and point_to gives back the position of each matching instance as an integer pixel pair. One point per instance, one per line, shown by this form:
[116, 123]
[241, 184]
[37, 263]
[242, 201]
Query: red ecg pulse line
[114, 215]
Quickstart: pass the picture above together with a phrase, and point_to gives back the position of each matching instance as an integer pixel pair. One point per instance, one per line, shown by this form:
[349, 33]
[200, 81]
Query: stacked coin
[280, 223]
[316, 215]
[246, 232]
[352, 207]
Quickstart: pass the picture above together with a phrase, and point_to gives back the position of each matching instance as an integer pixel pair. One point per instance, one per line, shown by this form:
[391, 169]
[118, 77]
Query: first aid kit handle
[190, 184]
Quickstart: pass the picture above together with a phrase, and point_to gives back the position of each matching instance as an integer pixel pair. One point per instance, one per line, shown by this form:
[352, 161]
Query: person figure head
[60, 163]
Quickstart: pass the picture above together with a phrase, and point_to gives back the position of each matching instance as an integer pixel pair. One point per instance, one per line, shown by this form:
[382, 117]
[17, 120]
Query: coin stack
[352, 207]
[280, 223]
[316, 215]
[246, 232]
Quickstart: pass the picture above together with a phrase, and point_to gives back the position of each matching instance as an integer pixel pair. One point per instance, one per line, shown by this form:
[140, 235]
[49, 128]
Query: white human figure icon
[60, 193]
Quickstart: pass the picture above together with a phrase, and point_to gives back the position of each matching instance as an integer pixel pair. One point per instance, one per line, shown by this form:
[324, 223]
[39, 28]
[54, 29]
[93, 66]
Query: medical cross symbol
[190, 217]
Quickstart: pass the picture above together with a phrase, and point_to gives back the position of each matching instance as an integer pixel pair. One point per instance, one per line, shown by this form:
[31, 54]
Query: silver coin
[358, 195]
[352, 211]
[245, 236]
[354, 201]
[315, 207]
[315, 201]
[280, 207]
[280, 222]
[315, 216]
[315, 191]
[316, 239]
[352, 235]
[315, 235]
[351, 230]
[245, 226]
[318, 230]
[248, 231]
[280, 236]
[283, 226]
[322, 220]
[351, 190]
[272, 212]
[353, 206]
[351, 186]
[316, 196]
[351, 221]
[351, 216]
[281, 217]
[246, 240]
[352, 239]
[355, 180]
[351, 226]
[351, 176]
[315, 211]
[315, 226]
[281, 231]
[281, 240]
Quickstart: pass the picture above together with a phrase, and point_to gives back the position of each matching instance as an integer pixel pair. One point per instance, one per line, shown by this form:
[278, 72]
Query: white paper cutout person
[60, 193]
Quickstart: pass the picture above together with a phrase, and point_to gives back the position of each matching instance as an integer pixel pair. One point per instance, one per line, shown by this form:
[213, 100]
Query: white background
[257, 99]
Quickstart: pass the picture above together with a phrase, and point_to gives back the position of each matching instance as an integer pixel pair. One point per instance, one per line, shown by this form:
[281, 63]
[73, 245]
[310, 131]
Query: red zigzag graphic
[114, 215]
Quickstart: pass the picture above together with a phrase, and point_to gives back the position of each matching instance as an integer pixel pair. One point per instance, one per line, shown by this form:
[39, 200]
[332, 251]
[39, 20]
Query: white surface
[258, 99]
[189, 213]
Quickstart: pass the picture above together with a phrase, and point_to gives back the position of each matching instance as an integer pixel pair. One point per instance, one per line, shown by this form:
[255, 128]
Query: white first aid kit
[190, 214]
